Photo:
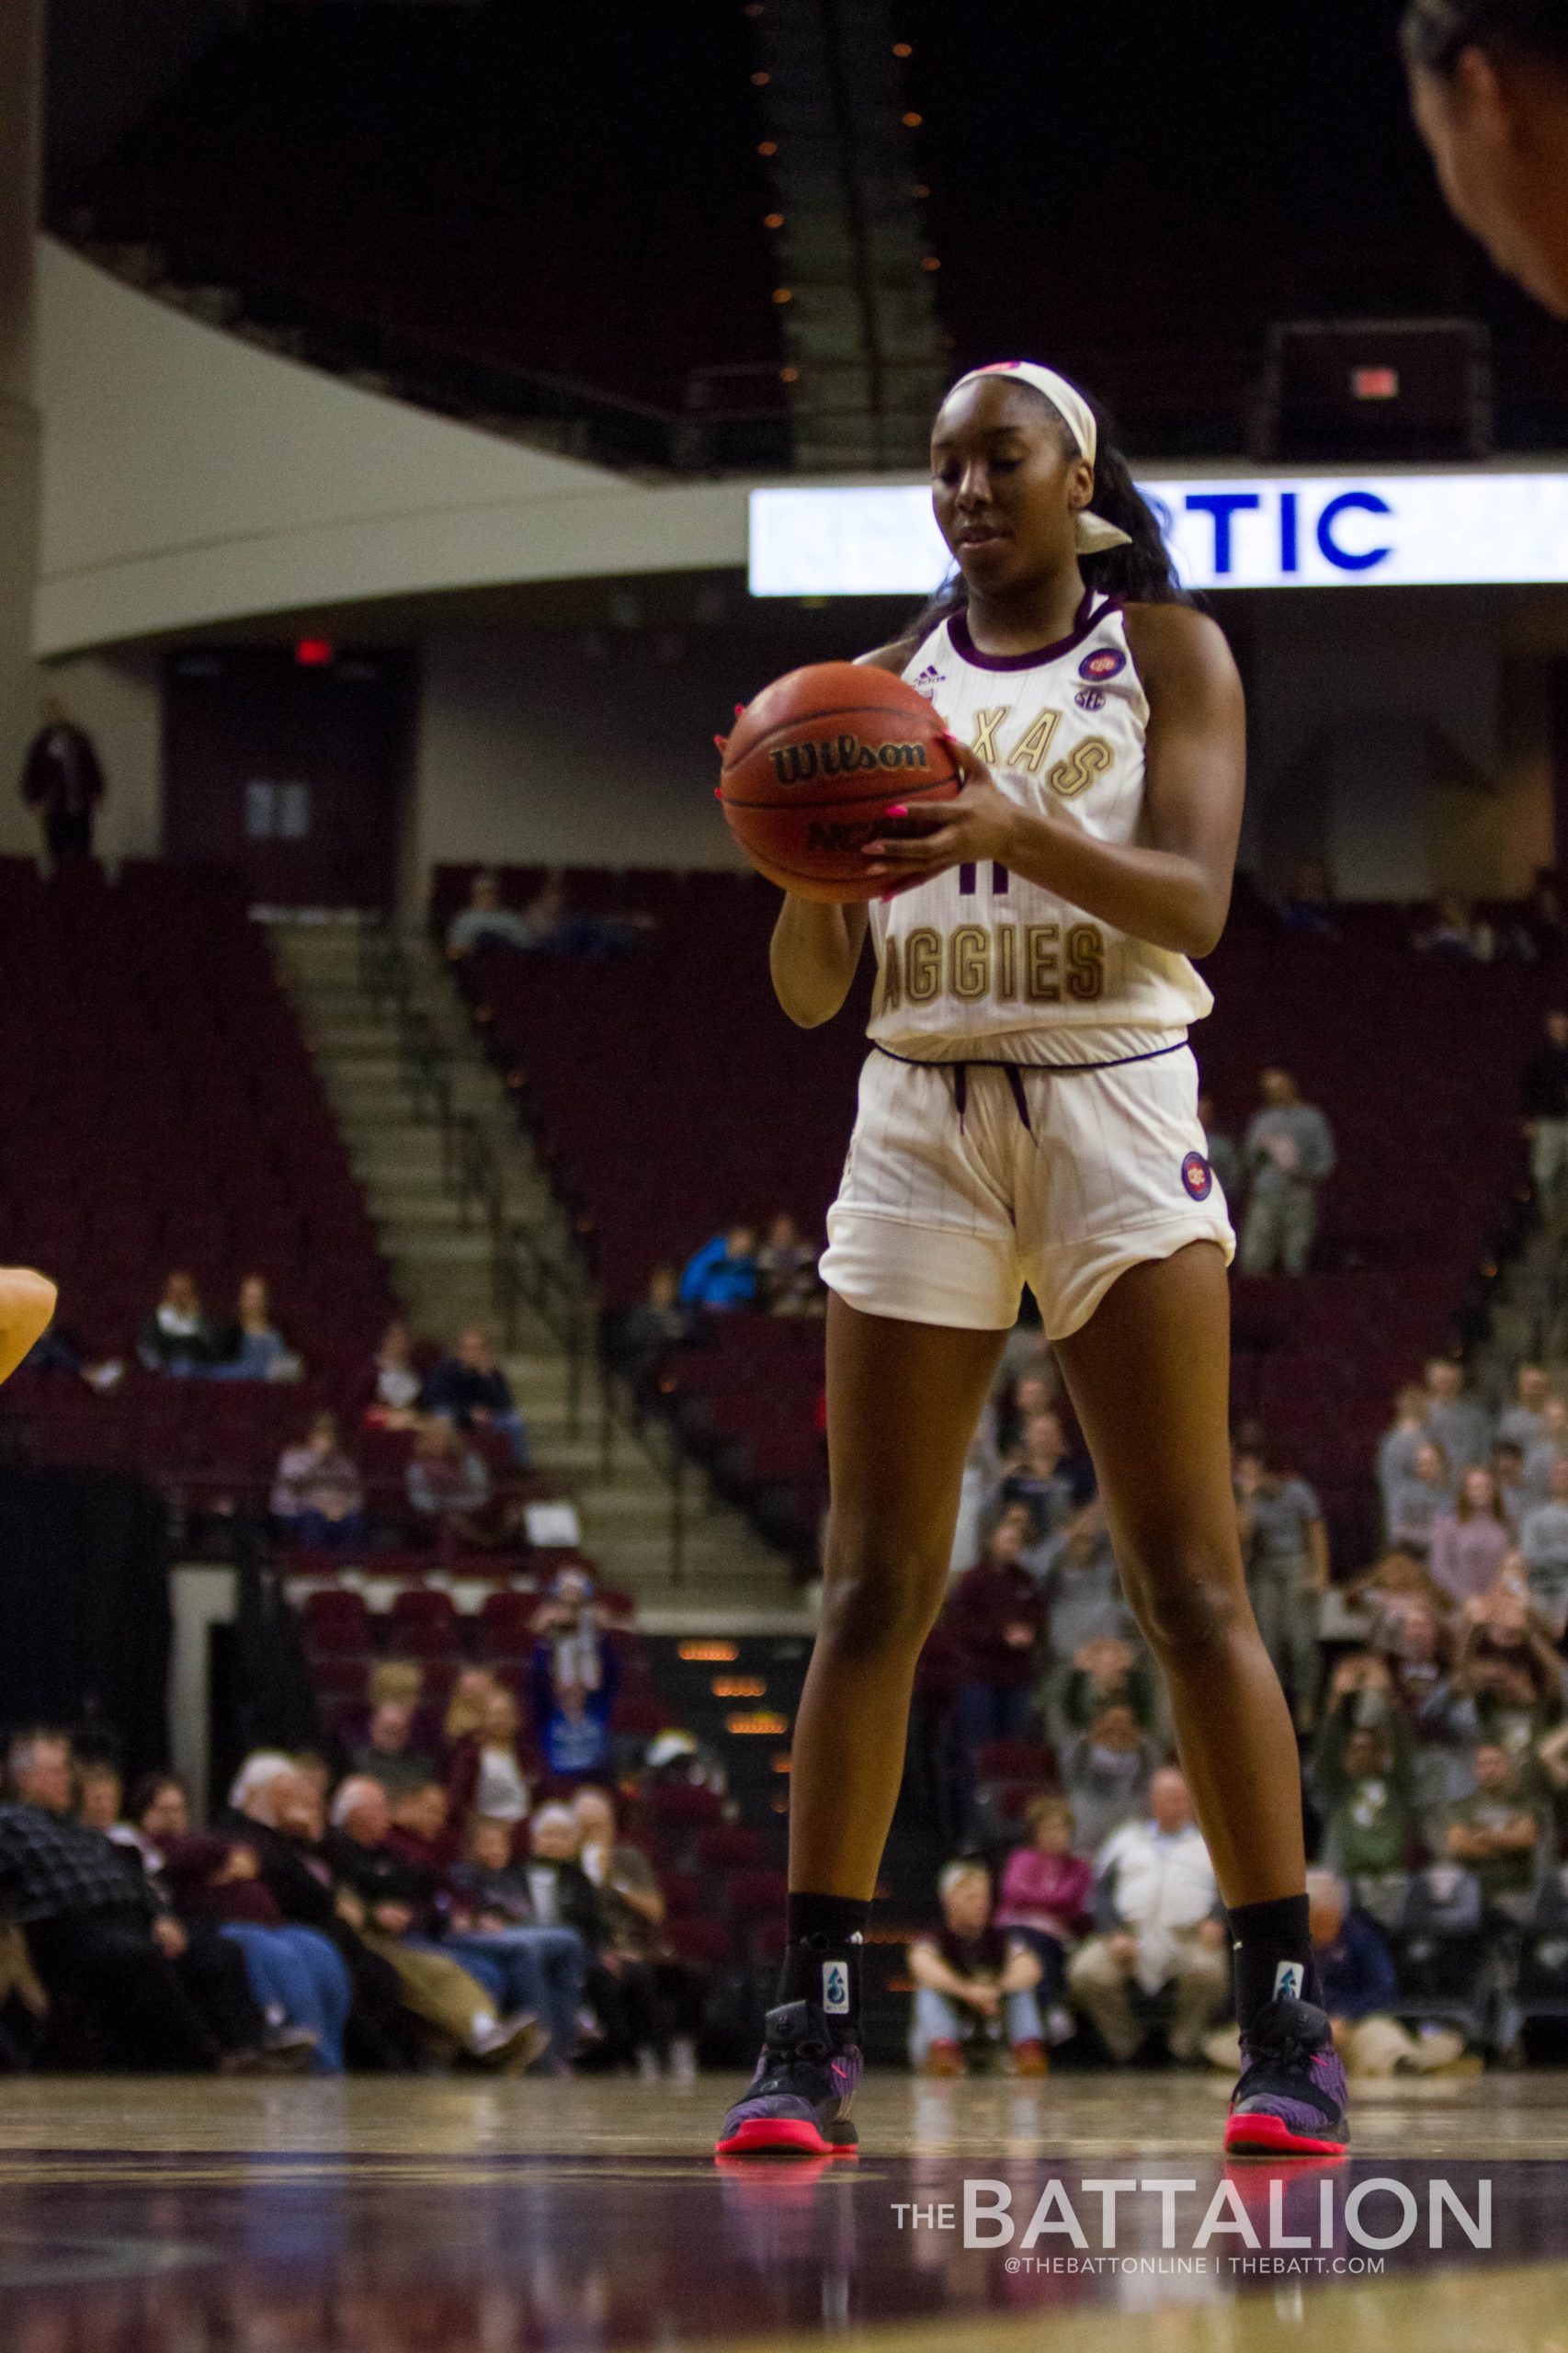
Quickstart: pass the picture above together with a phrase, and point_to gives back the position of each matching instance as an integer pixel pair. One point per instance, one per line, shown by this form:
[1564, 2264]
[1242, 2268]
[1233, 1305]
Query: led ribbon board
[1466, 528]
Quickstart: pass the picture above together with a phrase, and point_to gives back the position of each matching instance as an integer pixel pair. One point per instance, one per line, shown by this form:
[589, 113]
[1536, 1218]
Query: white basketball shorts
[942, 1218]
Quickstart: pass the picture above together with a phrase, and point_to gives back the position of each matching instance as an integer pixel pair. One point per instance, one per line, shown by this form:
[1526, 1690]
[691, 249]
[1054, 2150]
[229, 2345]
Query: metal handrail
[520, 1272]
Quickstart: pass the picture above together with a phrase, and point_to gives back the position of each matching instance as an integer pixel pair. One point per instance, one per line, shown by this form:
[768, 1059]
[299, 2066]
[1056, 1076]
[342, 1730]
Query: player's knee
[1187, 1602]
[877, 1600]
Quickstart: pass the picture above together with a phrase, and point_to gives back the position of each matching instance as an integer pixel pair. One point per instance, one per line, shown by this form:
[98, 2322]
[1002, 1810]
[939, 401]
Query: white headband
[1093, 533]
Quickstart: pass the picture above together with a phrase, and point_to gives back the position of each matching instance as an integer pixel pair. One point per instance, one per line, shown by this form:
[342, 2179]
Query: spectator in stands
[1543, 1547]
[1544, 1104]
[254, 1348]
[1081, 1586]
[974, 1983]
[392, 1396]
[1220, 1151]
[485, 925]
[572, 1679]
[487, 1769]
[1360, 1989]
[318, 1499]
[1457, 933]
[179, 1335]
[633, 1904]
[62, 778]
[1539, 935]
[1290, 1153]
[786, 1278]
[1045, 1902]
[1105, 1672]
[274, 1809]
[1307, 904]
[59, 1350]
[447, 1483]
[1363, 1771]
[297, 1975]
[1398, 1447]
[1032, 1391]
[1285, 1547]
[468, 1388]
[1494, 1832]
[1507, 1663]
[492, 1895]
[1035, 1476]
[1413, 1503]
[99, 1791]
[998, 1614]
[388, 1757]
[1397, 1590]
[1470, 1542]
[419, 1830]
[723, 1273]
[621, 1993]
[1459, 1424]
[637, 1343]
[1106, 1772]
[1507, 1468]
[1523, 1424]
[391, 1909]
[1157, 1907]
[1551, 1443]
[100, 1942]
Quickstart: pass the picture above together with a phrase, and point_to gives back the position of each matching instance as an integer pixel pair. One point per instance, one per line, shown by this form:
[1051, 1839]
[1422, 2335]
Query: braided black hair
[1436, 32]
[1141, 574]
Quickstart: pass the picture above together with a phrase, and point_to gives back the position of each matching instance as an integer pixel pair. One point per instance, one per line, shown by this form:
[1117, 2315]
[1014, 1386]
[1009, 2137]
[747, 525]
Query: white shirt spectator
[1159, 1883]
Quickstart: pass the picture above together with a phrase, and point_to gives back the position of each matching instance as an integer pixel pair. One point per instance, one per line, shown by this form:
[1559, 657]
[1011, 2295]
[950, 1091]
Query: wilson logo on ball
[841, 756]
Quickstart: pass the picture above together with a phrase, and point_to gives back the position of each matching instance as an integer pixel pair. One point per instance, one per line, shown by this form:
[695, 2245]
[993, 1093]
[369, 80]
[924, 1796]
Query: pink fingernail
[722, 742]
[900, 811]
[739, 708]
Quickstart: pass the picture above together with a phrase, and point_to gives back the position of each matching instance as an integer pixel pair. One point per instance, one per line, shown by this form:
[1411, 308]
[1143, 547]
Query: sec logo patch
[1106, 664]
[1089, 699]
[1198, 1176]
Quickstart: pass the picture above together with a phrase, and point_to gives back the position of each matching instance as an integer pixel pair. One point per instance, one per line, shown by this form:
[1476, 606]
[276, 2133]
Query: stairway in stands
[390, 1038]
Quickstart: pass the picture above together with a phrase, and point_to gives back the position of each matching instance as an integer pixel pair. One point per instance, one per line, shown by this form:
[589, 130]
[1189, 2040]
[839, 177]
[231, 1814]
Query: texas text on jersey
[980, 962]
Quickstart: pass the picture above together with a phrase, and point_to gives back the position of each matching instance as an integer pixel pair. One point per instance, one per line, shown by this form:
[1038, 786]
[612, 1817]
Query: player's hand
[979, 823]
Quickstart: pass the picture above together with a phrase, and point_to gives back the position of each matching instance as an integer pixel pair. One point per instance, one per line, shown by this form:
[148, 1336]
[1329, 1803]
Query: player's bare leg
[902, 1402]
[26, 1307]
[1149, 1376]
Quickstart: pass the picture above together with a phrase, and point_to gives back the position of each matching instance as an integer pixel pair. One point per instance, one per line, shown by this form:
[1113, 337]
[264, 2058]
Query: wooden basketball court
[460, 2216]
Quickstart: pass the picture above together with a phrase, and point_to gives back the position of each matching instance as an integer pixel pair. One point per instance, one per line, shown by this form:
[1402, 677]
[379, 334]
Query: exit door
[291, 771]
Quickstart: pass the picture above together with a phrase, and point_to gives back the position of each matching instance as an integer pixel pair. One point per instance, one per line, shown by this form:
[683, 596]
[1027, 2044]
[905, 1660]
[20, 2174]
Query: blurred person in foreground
[1489, 87]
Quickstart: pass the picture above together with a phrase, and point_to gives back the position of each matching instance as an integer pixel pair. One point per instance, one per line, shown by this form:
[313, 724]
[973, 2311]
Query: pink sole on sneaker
[781, 2136]
[1271, 2136]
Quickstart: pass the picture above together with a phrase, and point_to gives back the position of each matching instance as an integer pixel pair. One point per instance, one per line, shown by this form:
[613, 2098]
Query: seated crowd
[421, 1911]
[1431, 1704]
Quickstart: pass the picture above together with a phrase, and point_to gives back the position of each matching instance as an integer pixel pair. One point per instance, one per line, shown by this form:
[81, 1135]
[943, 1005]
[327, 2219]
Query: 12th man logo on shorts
[1198, 1176]
[835, 1989]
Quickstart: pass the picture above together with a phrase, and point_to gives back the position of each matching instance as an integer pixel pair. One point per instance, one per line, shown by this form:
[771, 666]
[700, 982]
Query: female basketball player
[1029, 1115]
[1489, 82]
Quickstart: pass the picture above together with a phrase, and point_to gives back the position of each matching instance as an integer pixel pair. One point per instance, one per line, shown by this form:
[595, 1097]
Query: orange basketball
[815, 763]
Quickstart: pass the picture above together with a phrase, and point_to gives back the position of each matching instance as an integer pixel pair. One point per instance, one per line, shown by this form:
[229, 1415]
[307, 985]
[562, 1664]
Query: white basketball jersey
[979, 964]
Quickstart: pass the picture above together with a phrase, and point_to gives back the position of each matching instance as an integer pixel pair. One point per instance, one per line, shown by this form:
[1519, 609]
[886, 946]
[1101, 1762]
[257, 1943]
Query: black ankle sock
[1272, 1950]
[821, 1955]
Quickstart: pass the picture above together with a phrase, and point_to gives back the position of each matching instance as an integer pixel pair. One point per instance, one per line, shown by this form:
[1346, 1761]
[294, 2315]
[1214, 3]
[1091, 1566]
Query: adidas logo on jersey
[930, 679]
[839, 755]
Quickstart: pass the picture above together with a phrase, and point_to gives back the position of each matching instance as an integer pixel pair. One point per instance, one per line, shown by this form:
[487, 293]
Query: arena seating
[670, 1096]
[160, 1110]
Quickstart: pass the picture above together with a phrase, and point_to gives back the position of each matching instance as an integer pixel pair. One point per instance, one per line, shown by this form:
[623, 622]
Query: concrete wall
[190, 478]
[570, 751]
[1408, 751]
